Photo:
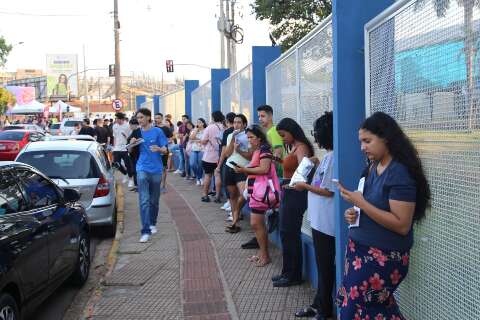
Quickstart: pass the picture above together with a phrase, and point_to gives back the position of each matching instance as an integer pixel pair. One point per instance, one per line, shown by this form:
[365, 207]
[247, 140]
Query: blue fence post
[349, 19]
[156, 104]
[261, 58]
[189, 85]
[218, 75]
[139, 100]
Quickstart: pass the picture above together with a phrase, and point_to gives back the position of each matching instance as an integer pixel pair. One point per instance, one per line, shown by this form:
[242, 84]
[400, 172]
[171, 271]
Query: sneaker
[252, 244]
[201, 182]
[198, 183]
[225, 205]
[153, 229]
[228, 209]
[131, 184]
[144, 238]
[229, 219]
[125, 179]
[205, 199]
[177, 171]
[163, 190]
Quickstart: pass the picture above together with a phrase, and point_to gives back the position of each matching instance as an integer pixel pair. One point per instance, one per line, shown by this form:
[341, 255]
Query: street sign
[169, 64]
[117, 104]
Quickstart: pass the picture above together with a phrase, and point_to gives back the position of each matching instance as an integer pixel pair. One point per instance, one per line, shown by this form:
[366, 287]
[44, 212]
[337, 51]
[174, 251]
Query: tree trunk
[469, 56]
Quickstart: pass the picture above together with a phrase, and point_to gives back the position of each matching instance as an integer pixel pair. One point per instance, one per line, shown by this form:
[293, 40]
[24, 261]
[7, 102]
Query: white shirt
[320, 208]
[242, 139]
[120, 135]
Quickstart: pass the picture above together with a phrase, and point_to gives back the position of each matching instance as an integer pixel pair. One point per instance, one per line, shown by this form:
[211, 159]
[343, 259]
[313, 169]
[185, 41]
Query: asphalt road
[64, 298]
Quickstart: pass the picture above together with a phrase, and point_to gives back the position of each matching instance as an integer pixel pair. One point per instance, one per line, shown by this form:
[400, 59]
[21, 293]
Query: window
[11, 199]
[55, 126]
[12, 135]
[102, 155]
[64, 164]
[72, 123]
[39, 191]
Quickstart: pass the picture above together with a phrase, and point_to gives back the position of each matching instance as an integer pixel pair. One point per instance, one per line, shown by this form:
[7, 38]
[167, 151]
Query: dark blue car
[44, 239]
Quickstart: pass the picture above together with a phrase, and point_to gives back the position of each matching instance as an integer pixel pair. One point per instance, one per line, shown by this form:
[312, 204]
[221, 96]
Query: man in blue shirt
[149, 171]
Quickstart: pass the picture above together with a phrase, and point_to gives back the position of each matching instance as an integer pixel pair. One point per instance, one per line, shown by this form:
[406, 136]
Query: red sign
[117, 104]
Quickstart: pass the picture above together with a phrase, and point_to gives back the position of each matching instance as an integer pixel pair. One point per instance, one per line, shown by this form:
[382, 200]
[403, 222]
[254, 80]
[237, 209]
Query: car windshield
[13, 127]
[55, 126]
[11, 135]
[71, 123]
[62, 164]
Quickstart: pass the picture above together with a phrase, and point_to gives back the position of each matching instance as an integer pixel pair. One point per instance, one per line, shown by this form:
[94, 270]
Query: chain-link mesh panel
[246, 92]
[424, 71]
[173, 103]
[202, 102]
[226, 96]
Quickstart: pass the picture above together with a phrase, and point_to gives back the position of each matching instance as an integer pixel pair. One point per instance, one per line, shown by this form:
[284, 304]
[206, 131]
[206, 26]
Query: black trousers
[324, 246]
[292, 208]
[118, 156]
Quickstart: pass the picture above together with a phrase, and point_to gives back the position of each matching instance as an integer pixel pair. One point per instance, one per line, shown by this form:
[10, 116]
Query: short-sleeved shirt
[395, 183]
[148, 161]
[102, 134]
[226, 133]
[183, 130]
[166, 131]
[242, 139]
[321, 211]
[210, 152]
[87, 131]
[120, 135]
[277, 142]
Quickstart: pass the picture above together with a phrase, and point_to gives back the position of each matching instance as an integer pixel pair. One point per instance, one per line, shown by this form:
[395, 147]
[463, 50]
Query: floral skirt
[371, 277]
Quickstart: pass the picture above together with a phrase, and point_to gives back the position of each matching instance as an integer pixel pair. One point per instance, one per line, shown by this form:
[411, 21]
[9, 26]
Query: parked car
[44, 239]
[82, 137]
[67, 125]
[12, 141]
[54, 129]
[24, 126]
[82, 166]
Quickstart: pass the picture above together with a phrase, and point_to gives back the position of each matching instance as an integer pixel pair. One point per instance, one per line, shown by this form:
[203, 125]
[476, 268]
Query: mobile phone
[234, 164]
[337, 182]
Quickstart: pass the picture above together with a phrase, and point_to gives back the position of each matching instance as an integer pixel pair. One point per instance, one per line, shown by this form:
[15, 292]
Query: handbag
[272, 220]
[265, 191]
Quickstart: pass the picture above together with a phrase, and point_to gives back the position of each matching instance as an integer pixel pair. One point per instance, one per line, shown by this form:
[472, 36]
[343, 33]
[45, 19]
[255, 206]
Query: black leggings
[325, 257]
[118, 156]
[292, 208]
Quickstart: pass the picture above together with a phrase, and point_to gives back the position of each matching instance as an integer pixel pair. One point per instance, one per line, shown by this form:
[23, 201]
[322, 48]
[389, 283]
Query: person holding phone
[238, 155]
[396, 194]
[322, 220]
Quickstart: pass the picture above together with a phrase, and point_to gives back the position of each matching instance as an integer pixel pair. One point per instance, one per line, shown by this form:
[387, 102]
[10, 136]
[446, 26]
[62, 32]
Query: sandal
[232, 229]
[253, 258]
[307, 312]
[205, 199]
[217, 200]
[261, 264]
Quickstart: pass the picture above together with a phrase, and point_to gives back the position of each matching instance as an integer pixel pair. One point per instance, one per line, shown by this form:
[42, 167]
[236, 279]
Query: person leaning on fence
[322, 220]
[190, 174]
[396, 193]
[293, 205]
[196, 152]
[259, 172]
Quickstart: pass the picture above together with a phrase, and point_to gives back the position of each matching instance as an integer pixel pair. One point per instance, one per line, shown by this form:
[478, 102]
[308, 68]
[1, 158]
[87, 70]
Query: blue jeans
[175, 150]
[149, 196]
[196, 164]
[181, 164]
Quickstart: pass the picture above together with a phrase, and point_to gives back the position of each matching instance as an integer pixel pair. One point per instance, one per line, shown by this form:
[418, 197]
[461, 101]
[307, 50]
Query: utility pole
[227, 25]
[222, 35]
[116, 27]
[85, 84]
[233, 67]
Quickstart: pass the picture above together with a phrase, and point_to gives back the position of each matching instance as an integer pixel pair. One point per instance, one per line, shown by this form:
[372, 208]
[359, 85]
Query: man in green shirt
[265, 117]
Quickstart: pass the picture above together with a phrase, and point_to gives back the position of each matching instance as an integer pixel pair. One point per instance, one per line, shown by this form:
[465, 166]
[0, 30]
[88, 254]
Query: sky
[151, 32]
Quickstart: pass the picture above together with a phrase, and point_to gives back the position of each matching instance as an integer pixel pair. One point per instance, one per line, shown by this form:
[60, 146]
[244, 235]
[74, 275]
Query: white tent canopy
[30, 108]
[60, 105]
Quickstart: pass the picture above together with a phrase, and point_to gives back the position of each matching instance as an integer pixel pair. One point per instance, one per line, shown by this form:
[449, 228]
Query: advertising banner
[62, 79]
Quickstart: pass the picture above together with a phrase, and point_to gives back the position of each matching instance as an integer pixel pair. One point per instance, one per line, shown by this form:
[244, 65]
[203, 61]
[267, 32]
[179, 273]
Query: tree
[441, 8]
[291, 19]
[6, 99]
[4, 51]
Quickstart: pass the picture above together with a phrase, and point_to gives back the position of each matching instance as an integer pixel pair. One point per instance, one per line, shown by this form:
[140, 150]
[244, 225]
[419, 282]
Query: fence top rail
[322, 25]
[238, 72]
[395, 9]
[203, 86]
[171, 92]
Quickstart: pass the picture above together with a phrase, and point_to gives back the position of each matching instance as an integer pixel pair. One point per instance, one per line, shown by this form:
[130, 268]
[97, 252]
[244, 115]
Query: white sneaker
[225, 205]
[125, 179]
[153, 229]
[230, 218]
[177, 171]
[131, 184]
[198, 183]
[201, 182]
[144, 238]
[228, 209]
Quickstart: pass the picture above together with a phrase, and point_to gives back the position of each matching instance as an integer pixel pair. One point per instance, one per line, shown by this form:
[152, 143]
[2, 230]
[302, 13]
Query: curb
[112, 254]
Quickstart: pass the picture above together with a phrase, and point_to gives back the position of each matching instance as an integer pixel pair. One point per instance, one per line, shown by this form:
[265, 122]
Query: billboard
[62, 76]
[23, 95]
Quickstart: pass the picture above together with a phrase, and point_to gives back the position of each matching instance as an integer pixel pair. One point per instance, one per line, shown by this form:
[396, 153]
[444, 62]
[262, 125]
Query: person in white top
[322, 220]
[196, 153]
[121, 131]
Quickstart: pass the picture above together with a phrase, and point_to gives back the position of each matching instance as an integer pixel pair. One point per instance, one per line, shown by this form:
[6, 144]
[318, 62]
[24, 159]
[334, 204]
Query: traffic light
[111, 70]
[169, 64]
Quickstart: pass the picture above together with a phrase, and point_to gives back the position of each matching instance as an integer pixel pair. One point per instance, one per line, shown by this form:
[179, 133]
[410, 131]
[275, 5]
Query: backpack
[264, 190]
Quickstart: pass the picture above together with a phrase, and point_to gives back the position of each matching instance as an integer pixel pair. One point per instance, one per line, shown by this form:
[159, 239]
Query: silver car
[79, 165]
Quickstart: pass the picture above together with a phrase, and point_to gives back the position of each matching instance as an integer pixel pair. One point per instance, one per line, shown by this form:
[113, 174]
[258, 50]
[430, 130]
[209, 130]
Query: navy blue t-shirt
[149, 161]
[395, 183]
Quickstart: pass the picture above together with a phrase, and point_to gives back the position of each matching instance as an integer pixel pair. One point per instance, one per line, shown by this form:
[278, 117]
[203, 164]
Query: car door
[23, 237]
[44, 196]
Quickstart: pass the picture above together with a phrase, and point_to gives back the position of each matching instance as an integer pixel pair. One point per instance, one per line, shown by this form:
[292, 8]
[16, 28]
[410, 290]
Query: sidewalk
[192, 269]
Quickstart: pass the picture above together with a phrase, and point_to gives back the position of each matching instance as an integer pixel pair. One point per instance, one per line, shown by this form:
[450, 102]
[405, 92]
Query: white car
[67, 125]
[82, 166]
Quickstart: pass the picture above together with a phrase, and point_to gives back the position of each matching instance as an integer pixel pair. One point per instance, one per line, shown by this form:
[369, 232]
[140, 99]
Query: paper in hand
[361, 185]
[134, 144]
[302, 172]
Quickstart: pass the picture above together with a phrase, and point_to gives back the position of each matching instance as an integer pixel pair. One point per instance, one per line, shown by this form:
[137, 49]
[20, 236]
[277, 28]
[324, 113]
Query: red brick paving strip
[202, 289]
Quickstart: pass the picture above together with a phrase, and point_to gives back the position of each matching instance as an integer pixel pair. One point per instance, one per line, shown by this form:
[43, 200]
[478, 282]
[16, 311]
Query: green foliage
[291, 20]
[5, 49]
[6, 98]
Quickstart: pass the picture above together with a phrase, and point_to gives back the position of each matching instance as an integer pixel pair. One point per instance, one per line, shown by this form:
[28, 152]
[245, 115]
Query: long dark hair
[292, 127]
[403, 151]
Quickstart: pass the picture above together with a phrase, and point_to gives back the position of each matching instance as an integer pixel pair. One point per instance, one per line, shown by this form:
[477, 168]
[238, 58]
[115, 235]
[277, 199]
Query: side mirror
[71, 195]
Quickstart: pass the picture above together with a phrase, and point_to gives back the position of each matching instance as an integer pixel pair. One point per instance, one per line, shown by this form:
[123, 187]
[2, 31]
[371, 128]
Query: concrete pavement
[192, 269]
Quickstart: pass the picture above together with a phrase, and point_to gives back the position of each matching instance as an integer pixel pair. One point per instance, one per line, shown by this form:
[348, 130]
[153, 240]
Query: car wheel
[111, 230]
[82, 268]
[8, 307]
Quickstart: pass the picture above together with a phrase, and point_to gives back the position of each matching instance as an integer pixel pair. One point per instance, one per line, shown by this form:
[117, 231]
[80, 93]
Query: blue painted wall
[156, 104]
[217, 76]
[189, 85]
[261, 58]
[349, 19]
[139, 100]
